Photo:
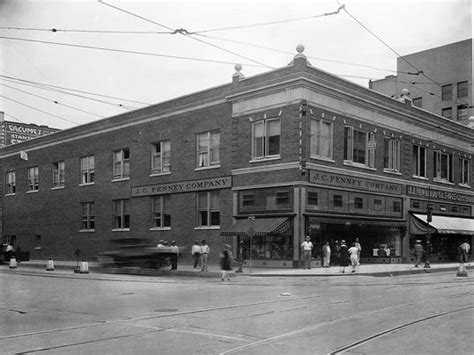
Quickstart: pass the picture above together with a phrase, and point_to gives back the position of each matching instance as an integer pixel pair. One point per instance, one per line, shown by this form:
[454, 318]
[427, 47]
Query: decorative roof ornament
[300, 50]
[238, 75]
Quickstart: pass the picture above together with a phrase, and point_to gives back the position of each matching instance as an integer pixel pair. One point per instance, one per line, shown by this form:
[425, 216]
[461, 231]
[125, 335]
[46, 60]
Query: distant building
[14, 132]
[444, 87]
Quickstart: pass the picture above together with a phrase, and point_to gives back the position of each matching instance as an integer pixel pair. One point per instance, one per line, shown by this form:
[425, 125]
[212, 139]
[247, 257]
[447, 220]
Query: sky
[141, 62]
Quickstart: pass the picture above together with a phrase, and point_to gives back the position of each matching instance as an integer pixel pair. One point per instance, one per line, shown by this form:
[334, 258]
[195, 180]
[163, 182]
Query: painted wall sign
[438, 194]
[184, 186]
[331, 179]
[13, 133]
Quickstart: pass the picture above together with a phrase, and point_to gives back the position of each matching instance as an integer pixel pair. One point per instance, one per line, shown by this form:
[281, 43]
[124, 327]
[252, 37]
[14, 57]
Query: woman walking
[354, 257]
[344, 256]
[226, 262]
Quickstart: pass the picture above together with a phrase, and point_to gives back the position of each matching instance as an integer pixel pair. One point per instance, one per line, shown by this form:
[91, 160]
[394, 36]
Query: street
[61, 312]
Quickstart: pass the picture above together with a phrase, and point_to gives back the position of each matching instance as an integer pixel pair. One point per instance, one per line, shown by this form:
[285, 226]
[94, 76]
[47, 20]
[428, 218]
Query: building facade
[263, 160]
[439, 80]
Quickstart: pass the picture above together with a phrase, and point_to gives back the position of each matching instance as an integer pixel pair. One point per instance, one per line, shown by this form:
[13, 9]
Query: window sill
[317, 157]
[264, 159]
[393, 172]
[358, 165]
[32, 191]
[160, 174]
[121, 230]
[58, 188]
[207, 227]
[419, 177]
[86, 230]
[208, 167]
[37, 248]
[121, 179]
[160, 228]
[13, 194]
[446, 182]
[465, 186]
[87, 184]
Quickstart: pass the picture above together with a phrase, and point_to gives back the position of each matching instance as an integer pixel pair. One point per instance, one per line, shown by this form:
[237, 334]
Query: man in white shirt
[205, 251]
[307, 247]
[196, 253]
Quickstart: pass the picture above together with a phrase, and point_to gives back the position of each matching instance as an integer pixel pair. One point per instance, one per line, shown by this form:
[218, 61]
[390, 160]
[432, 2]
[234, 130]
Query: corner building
[263, 160]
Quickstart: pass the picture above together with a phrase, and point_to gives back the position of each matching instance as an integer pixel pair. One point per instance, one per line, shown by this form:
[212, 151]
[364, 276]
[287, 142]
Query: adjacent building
[265, 160]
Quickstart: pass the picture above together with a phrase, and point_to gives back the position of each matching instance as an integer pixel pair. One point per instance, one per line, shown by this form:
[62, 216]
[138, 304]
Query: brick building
[292, 152]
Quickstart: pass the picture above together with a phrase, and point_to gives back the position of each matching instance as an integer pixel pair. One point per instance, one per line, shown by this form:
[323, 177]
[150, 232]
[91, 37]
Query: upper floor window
[464, 171]
[266, 138]
[447, 112]
[161, 157]
[208, 147]
[208, 209]
[391, 154]
[58, 169]
[161, 215]
[447, 92]
[33, 178]
[443, 166]
[87, 216]
[122, 214]
[11, 182]
[121, 164]
[419, 161]
[87, 170]
[418, 101]
[321, 139]
[359, 147]
[462, 112]
[463, 89]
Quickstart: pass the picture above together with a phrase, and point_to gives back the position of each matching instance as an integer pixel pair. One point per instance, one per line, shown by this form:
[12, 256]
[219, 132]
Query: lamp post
[429, 218]
[251, 233]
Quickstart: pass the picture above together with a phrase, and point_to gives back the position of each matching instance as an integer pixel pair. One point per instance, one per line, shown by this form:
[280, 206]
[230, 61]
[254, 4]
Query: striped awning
[259, 227]
[447, 225]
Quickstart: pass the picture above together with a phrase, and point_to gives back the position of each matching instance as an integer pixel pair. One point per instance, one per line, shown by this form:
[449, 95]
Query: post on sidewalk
[251, 233]
[429, 218]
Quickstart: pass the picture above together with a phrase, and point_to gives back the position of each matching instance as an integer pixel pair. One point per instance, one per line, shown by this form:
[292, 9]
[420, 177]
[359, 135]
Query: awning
[260, 227]
[443, 224]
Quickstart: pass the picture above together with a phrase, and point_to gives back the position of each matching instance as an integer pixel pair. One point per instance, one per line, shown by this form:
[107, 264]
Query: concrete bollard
[13, 263]
[84, 267]
[50, 265]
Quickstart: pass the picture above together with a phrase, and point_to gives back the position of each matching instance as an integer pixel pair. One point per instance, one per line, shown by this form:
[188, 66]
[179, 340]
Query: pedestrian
[205, 251]
[174, 255]
[337, 252]
[344, 256]
[226, 262]
[196, 253]
[359, 248]
[419, 251]
[8, 252]
[463, 253]
[326, 254]
[307, 247]
[353, 251]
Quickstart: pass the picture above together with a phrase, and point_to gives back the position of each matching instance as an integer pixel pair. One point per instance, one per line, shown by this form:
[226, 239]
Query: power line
[124, 51]
[54, 30]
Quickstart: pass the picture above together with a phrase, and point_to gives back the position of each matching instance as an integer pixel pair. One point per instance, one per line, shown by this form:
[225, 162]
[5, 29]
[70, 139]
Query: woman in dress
[226, 262]
[354, 257]
[344, 256]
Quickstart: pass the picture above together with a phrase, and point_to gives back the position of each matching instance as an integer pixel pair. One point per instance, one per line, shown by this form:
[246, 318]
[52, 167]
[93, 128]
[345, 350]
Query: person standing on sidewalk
[307, 247]
[326, 254]
[174, 257]
[196, 254]
[359, 248]
[205, 251]
[226, 262]
[344, 258]
[419, 251]
[464, 252]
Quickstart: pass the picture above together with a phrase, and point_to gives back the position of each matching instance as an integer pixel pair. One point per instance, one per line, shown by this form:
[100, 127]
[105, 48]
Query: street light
[251, 233]
[429, 218]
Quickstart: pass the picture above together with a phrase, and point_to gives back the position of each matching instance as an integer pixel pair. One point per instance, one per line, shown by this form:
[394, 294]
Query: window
[419, 161]
[208, 146]
[396, 206]
[337, 200]
[464, 171]
[38, 241]
[418, 101]
[447, 92]
[58, 169]
[161, 158]
[266, 138]
[462, 89]
[391, 154]
[443, 166]
[87, 170]
[447, 112]
[33, 179]
[377, 204]
[11, 182]
[359, 147]
[321, 139]
[462, 112]
[282, 198]
[248, 199]
[313, 198]
[121, 164]
[208, 209]
[161, 215]
[121, 214]
[87, 216]
[358, 203]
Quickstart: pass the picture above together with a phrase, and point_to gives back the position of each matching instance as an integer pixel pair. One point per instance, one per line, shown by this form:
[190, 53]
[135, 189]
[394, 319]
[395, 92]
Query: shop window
[121, 164]
[313, 198]
[443, 166]
[415, 204]
[161, 157]
[33, 179]
[122, 214]
[447, 112]
[161, 215]
[447, 92]
[462, 89]
[454, 209]
[208, 149]
[208, 209]
[321, 139]
[464, 171]
[359, 147]
[466, 210]
[419, 161]
[10, 182]
[266, 138]
[58, 170]
[87, 170]
[391, 156]
[272, 248]
[87, 216]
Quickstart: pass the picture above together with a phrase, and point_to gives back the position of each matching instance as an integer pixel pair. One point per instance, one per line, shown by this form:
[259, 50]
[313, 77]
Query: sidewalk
[381, 270]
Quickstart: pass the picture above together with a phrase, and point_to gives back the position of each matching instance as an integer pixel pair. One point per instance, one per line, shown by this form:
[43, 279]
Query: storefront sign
[324, 178]
[438, 194]
[14, 133]
[185, 186]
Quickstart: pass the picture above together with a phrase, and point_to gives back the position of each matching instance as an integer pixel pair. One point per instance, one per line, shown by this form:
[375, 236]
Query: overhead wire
[54, 30]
